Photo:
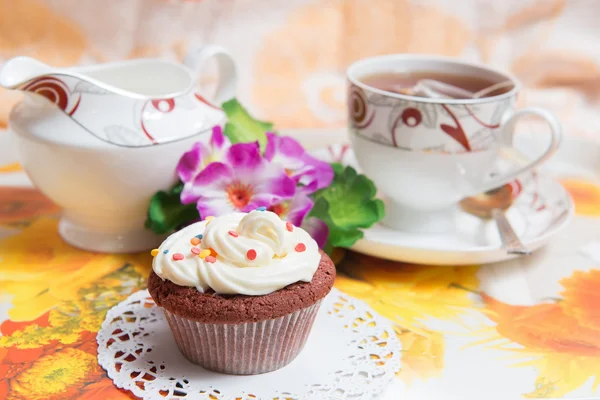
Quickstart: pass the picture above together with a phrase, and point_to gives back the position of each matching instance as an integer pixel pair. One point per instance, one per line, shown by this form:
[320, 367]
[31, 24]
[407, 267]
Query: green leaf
[166, 213]
[241, 127]
[347, 206]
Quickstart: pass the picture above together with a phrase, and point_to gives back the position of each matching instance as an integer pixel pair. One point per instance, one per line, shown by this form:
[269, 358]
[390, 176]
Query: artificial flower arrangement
[248, 166]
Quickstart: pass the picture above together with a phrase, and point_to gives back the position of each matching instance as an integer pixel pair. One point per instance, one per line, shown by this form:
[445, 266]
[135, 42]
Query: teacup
[426, 154]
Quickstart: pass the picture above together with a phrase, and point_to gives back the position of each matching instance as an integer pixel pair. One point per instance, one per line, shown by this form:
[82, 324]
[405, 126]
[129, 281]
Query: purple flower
[202, 154]
[317, 229]
[242, 182]
[307, 171]
[295, 209]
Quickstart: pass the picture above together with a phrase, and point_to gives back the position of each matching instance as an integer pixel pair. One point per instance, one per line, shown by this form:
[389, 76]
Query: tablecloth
[524, 328]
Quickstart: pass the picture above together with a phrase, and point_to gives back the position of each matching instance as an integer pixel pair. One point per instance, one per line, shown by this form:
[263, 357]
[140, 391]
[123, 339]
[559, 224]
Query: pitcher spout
[141, 79]
[17, 72]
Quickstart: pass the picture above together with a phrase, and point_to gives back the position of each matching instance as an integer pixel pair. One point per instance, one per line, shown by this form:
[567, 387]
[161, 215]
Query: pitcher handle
[226, 86]
[507, 136]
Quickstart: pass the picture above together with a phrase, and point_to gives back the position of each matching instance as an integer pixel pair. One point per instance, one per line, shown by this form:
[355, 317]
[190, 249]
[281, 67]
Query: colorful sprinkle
[251, 254]
[195, 241]
[209, 218]
[210, 259]
[300, 247]
[200, 236]
[212, 252]
[289, 226]
[233, 233]
[262, 208]
[204, 253]
[165, 252]
[195, 250]
[178, 256]
[154, 252]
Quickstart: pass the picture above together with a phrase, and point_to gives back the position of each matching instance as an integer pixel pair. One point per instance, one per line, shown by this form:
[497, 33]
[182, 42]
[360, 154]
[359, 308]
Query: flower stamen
[239, 194]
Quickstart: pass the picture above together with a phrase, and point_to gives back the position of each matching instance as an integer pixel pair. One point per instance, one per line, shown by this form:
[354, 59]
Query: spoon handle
[510, 240]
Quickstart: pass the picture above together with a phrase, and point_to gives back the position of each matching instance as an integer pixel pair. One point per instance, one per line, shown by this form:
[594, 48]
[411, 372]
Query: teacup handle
[226, 87]
[507, 136]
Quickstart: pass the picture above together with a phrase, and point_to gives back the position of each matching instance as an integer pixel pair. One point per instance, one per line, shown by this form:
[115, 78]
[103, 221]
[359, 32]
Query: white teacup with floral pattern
[426, 154]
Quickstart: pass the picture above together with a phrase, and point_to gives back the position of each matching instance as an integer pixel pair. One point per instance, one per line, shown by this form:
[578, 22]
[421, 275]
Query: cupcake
[241, 292]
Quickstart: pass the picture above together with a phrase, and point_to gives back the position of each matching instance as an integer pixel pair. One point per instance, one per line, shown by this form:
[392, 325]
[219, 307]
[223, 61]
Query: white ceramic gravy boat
[101, 140]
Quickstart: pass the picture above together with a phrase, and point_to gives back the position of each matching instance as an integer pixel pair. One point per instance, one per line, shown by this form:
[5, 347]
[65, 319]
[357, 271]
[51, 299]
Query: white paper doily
[352, 353]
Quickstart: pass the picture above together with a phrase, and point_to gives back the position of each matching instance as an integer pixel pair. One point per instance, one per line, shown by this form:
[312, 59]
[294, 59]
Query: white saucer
[541, 209]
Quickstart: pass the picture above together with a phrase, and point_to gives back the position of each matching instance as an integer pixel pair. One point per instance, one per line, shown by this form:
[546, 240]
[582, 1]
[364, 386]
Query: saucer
[542, 207]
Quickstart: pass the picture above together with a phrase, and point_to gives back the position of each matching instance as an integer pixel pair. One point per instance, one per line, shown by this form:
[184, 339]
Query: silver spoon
[491, 205]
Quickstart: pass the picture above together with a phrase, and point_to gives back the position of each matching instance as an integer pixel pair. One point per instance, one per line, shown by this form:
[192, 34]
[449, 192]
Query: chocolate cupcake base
[247, 348]
[238, 334]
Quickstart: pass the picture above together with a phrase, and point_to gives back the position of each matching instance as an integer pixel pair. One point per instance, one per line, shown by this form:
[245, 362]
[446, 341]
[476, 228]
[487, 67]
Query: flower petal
[274, 181]
[190, 163]
[264, 177]
[261, 200]
[317, 229]
[318, 176]
[283, 149]
[286, 152]
[211, 182]
[215, 206]
[272, 144]
[310, 172]
[244, 158]
[217, 140]
[290, 147]
[299, 207]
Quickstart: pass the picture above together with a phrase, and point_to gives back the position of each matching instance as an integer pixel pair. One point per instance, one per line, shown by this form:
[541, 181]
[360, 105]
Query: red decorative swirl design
[164, 105]
[516, 187]
[455, 132]
[480, 122]
[53, 89]
[208, 103]
[358, 108]
[411, 117]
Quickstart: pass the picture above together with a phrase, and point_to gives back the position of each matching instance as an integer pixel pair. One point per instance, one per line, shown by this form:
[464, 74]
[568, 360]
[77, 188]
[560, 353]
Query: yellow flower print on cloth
[407, 295]
[39, 270]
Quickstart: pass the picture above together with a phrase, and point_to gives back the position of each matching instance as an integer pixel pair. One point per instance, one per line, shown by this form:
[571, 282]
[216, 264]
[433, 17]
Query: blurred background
[292, 54]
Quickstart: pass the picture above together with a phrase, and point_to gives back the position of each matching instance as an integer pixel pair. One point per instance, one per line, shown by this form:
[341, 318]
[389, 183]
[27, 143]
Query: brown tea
[406, 82]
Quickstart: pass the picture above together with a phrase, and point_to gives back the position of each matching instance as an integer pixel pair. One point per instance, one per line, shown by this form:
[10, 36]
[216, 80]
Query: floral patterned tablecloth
[525, 328]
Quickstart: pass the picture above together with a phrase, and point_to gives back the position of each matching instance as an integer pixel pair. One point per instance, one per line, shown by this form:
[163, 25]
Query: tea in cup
[421, 136]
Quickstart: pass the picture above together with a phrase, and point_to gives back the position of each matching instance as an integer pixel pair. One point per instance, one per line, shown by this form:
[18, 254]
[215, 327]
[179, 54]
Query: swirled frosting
[252, 254]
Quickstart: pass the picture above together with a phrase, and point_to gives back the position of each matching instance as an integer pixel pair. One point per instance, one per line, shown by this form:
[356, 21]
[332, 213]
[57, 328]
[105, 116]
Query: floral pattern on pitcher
[133, 121]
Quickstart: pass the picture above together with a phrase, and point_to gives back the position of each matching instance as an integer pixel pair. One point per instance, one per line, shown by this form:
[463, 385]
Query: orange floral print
[56, 372]
[12, 167]
[103, 390]
[19, 205]
[586, 196]
[560, 339]
[582, 299]
[543, 327]
[48, 346]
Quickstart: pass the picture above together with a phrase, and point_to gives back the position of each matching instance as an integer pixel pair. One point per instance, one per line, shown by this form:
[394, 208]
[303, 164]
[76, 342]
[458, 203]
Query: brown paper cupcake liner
[243, 349]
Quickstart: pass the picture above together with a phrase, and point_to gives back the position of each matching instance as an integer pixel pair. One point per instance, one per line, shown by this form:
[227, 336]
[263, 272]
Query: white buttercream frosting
[284, 254]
